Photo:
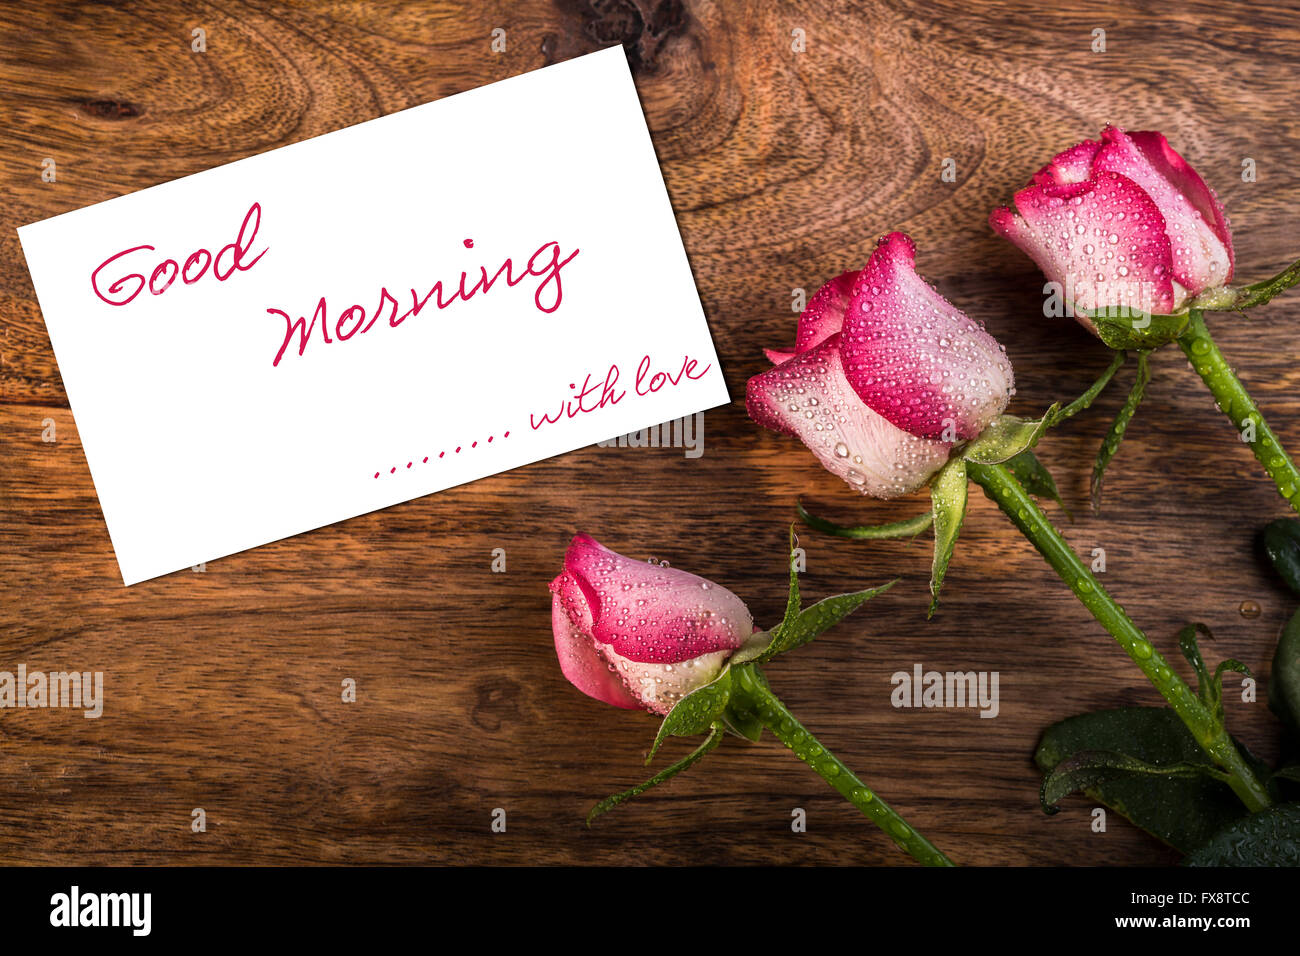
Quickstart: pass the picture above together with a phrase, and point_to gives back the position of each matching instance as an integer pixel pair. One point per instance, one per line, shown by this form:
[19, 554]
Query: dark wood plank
[223, 687]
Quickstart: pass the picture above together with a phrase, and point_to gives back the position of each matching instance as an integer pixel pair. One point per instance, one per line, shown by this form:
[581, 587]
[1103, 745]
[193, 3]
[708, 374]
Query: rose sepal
[1241, 298]
[1123, 328]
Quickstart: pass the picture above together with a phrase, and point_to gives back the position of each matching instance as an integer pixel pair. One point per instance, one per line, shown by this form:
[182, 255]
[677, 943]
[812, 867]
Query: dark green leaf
[1284, 681]
[1282, 545]
[1289, 773]
[1007, 436]
[1110, 444]
[948, 501]
[613, 800]
[1036, 479]
[1087, 769]
[1095, 389]
[696, 712]
[1268, 838]
[898, 529]
[1123, 328]
[1183, 811]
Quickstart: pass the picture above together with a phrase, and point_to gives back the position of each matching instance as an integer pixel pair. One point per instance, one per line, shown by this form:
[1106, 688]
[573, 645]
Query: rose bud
[885, 377]
[638, 635]
[1122, 222]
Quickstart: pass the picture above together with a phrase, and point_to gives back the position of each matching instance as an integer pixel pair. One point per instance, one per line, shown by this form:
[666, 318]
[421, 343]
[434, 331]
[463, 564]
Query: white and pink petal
[580, 658]
[916, 360]
[821, 317]
[650, 613]
[809, 398]
[1102, 240]
[1194, 221]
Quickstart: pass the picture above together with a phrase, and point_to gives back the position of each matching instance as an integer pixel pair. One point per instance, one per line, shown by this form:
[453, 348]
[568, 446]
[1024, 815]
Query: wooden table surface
[223, 687]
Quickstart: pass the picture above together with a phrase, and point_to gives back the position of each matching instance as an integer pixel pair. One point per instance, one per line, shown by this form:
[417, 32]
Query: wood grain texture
[223, 687]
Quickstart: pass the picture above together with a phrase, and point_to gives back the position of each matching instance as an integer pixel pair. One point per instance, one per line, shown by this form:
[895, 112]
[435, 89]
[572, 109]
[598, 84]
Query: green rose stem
[1003, 488]
[1236, 403]
[757, 697]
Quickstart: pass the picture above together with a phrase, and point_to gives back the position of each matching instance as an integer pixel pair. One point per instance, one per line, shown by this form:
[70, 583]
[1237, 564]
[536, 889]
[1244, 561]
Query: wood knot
[497, 704]
[642, 26]
[109, 109]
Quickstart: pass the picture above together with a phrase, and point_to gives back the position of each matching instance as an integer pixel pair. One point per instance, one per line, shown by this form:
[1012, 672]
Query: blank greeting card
[373, 315]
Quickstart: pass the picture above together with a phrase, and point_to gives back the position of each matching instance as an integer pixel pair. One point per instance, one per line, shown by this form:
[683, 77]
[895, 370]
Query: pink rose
[885, 376]
[638, 635]
[1122, 222]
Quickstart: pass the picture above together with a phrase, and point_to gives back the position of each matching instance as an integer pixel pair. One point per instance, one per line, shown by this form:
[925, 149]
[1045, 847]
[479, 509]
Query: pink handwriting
[593, 396]
[544, 264]
[125, 288]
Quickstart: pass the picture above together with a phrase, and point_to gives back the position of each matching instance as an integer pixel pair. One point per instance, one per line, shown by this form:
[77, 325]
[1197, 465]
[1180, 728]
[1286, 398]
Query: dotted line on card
[442, 454]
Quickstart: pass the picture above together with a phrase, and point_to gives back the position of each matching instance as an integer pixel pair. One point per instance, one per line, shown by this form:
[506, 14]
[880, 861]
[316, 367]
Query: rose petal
[821, 317]
[1073, 165]
[809, 397]
[1194, 220]
[1103, 241]
[659, 686]
[580, 660]
[653, 614]
[916, 360]
[824, 313]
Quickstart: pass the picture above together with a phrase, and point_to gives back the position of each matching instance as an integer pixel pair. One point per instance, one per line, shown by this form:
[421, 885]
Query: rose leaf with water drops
[1007, 436]
[907, 528]
[1268, 838]
[613, 800]
[1284, 679]
[948, 500]
[1036, 479]
[1176, 799]
[1124, 329]
[1110, 444]
[1282, 545]
[802, 625]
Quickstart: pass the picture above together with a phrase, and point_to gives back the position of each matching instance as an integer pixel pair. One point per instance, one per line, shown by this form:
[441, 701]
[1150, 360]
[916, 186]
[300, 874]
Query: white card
[210, 427]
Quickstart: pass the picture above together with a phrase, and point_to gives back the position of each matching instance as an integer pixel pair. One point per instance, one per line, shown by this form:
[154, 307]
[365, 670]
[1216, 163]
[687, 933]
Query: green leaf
[1247, 297]
[1268, 838]
[1289, 773]
[613, 800]
[809, 624]
[696, 712]
[898, 529]
[798, 627]
[1095, 389]
[1110, 444]
[1123, 328]
[1282, 545]
[1088, 768]
[1284, 681]
[1206, 687]
[1182, 810]
[1007, 436]
[948, 500]
[792, 600]
[1036, 479]
[1209, 687]
[742, 723]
